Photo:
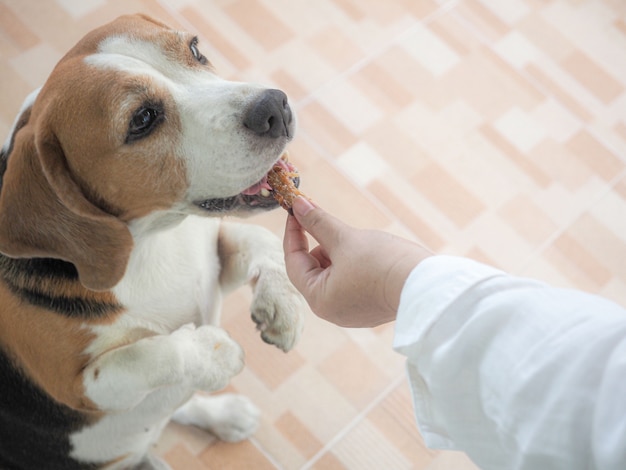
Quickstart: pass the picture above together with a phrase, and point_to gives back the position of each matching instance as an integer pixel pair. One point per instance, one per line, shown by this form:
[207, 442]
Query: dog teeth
[265, 192]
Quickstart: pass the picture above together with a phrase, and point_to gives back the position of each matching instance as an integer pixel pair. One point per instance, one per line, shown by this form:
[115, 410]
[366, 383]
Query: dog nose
[270, 115]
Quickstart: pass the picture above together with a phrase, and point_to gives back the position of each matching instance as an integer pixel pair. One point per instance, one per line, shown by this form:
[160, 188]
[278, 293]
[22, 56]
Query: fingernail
[302, 206]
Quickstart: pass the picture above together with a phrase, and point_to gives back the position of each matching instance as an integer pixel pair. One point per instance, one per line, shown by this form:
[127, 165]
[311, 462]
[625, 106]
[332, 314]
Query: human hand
[354, 277]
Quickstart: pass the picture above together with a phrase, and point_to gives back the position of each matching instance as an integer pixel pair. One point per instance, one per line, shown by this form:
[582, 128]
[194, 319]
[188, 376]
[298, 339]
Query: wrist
[398, 274]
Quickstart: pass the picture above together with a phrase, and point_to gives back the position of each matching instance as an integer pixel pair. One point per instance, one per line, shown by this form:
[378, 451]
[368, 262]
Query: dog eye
[196, 52]
[142, 123]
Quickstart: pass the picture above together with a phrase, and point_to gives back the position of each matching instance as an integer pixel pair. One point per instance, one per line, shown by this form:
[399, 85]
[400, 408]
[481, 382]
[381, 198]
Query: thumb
[322, 226]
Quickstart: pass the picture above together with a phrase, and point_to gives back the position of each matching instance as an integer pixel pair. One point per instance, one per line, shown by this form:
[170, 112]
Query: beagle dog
[114, 256]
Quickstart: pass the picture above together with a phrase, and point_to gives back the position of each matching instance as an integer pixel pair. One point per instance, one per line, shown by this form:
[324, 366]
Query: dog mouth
[259, 196]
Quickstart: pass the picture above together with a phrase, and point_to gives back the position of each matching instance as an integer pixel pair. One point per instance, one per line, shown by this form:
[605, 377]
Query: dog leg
[254, 255]
[232, 418]
[203, 358]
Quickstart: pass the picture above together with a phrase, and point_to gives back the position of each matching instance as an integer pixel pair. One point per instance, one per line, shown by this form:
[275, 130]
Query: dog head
[133, 123]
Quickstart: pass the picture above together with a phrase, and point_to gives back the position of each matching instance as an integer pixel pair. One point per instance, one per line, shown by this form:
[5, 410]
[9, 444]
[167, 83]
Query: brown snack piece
[283, 188]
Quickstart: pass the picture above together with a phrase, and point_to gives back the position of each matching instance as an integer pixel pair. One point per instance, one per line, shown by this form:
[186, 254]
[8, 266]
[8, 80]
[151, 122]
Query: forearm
[517, 374]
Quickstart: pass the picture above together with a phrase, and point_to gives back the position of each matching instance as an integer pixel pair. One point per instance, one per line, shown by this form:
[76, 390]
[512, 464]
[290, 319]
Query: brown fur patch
[134, 179]
[48, 347]
[87, 181]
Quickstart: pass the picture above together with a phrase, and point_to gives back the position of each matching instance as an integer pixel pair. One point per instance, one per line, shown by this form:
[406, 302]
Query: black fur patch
[34, 429]
[24, 278]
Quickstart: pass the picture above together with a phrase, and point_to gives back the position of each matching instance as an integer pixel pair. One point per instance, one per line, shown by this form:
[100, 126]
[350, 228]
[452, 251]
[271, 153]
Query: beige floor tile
[495, 130]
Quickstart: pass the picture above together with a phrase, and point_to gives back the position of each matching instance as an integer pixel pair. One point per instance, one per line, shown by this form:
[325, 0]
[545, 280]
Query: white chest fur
[172, 276]
[172, 279]
[153, 356]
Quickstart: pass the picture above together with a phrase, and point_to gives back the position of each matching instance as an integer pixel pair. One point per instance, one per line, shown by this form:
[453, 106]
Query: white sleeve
[517, 374]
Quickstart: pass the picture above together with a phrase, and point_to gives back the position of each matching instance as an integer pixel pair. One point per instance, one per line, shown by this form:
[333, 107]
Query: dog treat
[284, 189]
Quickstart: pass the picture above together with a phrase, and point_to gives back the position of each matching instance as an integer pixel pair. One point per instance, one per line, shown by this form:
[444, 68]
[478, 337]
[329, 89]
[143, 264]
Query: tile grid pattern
[495, 130]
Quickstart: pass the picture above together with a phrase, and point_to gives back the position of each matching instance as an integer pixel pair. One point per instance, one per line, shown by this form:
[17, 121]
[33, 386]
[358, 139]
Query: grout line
[265, 453]
[179, 16]
[577, 215]
[352, 424]
[359, 64]
[373, 200]
[482, 38]
[354, 68]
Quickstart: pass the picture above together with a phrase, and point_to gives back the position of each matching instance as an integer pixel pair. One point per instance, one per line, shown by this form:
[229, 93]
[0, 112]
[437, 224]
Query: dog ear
[44, 214]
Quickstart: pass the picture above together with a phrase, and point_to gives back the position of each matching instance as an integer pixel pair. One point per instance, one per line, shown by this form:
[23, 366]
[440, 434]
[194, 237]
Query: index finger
[301, 265]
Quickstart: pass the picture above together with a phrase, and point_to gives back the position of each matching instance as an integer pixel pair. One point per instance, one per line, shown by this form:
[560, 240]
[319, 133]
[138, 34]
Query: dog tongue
[263, 184]
[256, 188]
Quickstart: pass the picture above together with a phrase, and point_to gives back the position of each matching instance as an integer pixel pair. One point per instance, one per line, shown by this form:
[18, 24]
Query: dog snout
[269, 115]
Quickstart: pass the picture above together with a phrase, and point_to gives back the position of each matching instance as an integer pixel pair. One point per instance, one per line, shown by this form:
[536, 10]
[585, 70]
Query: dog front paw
[278, 310]
[210, 356]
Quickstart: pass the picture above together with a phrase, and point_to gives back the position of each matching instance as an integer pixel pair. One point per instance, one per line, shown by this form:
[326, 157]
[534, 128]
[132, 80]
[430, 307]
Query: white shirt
[517, 374]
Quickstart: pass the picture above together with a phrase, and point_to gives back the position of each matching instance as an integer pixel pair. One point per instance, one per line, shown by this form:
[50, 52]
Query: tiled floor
[488, 128]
